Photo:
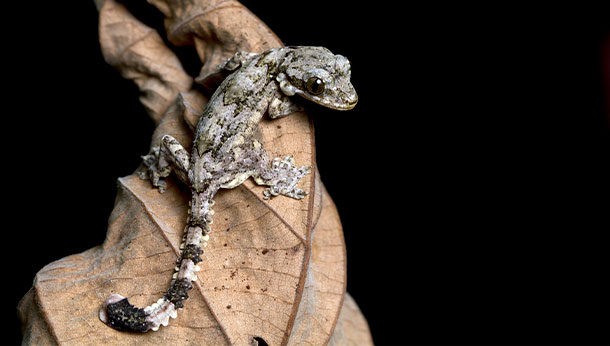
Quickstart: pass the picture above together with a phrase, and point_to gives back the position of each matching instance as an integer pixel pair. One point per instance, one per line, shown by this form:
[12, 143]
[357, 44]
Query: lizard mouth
[348, 102]
[352, 101]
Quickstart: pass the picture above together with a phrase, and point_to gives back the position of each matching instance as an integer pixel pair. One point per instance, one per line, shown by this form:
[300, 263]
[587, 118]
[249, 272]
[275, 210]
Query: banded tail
[119, 314]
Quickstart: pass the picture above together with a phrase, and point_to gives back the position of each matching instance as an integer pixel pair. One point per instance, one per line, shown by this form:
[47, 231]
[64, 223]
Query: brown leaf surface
[139, 53]
[273, 269]
[352, 328]
[245, 289]
[217, 29]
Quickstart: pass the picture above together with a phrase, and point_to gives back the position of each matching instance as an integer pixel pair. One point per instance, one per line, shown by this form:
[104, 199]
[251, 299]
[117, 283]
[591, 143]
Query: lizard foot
[156, 168]
[284, 177]
[161, 161]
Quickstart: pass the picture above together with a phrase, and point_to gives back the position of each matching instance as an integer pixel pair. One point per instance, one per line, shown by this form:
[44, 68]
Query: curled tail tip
[113, 298]
[118, 313]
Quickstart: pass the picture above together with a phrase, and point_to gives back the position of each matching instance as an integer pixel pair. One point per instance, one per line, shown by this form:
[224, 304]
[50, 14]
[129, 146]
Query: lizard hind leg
[169, 155]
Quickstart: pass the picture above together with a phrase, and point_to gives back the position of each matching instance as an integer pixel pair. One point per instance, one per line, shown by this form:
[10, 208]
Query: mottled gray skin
[224, 154]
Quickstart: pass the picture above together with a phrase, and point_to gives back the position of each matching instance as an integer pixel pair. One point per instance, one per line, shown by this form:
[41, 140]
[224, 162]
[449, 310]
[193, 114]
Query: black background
[471, 179]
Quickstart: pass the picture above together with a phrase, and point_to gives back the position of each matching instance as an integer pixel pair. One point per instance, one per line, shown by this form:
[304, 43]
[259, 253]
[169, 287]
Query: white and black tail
[119, 314]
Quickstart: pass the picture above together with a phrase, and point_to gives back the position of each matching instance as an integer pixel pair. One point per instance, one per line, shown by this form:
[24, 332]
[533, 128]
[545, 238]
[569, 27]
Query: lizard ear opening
[287, 88]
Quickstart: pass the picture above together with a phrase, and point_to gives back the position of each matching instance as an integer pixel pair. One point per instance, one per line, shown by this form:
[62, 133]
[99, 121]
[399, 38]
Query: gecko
[225, 154]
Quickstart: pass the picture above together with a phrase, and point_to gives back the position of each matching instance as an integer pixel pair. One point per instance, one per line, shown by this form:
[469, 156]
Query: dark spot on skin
[228, 306]
[265, 251]
[247, 287]
[225, 245]
[279, 126]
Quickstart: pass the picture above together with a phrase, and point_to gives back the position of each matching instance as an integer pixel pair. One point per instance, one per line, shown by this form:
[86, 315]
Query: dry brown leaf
[139, 53]
[273, 269]
[325, 278]
[352, 328]
[217, 29]
[247, 286]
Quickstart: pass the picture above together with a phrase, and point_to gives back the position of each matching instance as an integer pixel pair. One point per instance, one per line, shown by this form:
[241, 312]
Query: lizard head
[318, 75]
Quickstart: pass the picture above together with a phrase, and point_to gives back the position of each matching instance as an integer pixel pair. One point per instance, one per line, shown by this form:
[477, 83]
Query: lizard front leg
[281, 175]
[162, 159]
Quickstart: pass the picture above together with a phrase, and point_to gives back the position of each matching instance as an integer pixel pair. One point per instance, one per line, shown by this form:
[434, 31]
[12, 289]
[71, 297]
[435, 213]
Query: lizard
[224, 154]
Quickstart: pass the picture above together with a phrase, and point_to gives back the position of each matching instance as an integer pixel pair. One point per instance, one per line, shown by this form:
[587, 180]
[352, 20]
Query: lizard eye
[315, 86]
